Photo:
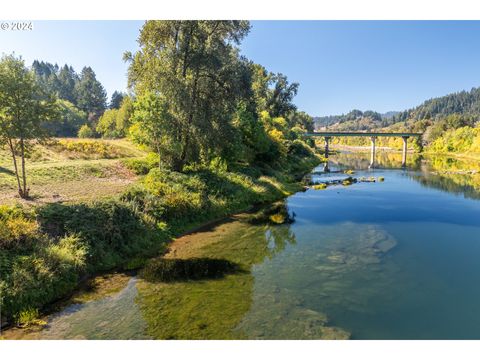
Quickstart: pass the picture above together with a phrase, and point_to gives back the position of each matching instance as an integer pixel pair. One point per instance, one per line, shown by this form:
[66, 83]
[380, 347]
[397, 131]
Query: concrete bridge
[327, 135]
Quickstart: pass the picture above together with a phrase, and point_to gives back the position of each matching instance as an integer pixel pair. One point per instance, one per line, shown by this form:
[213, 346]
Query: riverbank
[48, 250]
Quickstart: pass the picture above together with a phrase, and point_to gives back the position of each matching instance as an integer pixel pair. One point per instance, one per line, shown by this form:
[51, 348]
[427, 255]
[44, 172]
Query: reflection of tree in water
[278, 236]
[383, 160]
[457, 176]
[452, 175]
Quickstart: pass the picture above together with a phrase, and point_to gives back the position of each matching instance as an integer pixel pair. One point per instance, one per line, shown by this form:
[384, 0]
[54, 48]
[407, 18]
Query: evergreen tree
[116, 100]
[67, 78]
[91, 95]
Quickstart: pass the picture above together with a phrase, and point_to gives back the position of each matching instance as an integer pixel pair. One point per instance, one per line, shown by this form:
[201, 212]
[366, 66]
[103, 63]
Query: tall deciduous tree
[280, 102]
[194, 69]
[24, 107]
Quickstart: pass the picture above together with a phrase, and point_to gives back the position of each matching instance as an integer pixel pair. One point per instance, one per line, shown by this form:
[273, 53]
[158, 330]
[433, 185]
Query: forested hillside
[463, 102]
[355, 120]
[449, 123]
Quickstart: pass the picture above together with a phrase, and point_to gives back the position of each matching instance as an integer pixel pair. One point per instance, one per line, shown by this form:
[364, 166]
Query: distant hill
[463, 102]
[355, 120]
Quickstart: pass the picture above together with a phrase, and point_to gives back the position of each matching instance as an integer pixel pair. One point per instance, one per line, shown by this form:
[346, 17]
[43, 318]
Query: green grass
[59, 171]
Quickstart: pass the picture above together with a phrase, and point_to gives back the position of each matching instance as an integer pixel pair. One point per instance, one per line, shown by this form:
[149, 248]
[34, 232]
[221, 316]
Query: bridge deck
[357, 133]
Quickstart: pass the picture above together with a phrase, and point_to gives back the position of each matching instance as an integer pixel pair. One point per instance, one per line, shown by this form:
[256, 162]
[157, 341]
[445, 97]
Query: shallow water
[397, 259]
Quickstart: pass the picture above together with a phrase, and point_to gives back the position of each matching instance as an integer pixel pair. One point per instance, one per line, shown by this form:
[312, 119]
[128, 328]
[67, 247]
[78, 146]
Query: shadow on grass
[178, 270]
[6, 171]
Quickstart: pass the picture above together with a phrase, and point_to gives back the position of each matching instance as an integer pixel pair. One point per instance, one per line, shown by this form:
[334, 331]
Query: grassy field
[71, 170]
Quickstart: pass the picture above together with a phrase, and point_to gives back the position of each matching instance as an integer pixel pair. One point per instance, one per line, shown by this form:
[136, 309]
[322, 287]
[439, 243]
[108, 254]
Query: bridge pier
[327, 141]
[327, 135]
[372, 153]
[404, 154]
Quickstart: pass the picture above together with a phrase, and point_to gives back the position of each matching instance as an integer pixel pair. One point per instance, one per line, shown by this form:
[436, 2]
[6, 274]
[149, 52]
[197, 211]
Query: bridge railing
[363, 134]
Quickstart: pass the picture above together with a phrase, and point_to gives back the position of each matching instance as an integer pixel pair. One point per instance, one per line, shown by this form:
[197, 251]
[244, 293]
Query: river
[392, 259]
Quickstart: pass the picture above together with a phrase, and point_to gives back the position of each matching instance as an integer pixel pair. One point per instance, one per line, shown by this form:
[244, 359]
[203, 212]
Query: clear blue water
[398, 259]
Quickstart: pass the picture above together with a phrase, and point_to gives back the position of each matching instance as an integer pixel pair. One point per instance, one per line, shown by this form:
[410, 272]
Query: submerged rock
[280, 315]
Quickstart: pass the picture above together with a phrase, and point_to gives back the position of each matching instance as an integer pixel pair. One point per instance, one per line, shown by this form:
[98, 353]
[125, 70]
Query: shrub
[144, 165]
[85, 132]
[112, 230]
[299, 148]
[18, 228]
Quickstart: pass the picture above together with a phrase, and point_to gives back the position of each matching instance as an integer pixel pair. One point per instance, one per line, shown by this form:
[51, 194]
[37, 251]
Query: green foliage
[91, 95]
[85, 132]
[27, 317]
[355, 120]
[111, 230]
[462, 140]
[463, 102]
[116, 100]
[35, 269]
[144, 165]
[189, 78]
[60, 82]
[299, 148]
[153, 126]
[68, 122]
[18, 228]
[279, 103]
[115, 122]
[45, 251]
[254, 141]
[24, 108]
[88, 149]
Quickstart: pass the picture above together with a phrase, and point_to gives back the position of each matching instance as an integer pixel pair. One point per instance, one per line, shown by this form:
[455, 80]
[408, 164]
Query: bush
[85, 132]
[299, 148]
[49, 271]
[18, 228]
[112, 231]
[144, 165]
[88, 149]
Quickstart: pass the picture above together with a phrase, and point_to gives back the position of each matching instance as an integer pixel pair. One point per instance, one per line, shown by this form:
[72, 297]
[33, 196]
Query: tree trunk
[12, 150]
[24, 175]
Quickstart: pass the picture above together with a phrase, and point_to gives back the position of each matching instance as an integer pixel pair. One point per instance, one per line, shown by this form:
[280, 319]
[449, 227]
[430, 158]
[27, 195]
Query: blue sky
[340, 65]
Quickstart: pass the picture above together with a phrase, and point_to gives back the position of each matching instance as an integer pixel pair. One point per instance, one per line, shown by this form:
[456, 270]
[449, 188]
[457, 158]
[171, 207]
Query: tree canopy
[91, 95]
[199, 99]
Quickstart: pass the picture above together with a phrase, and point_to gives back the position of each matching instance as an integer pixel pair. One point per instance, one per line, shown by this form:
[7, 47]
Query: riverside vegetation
[47, 250]
[214, 134]
[203, 133]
